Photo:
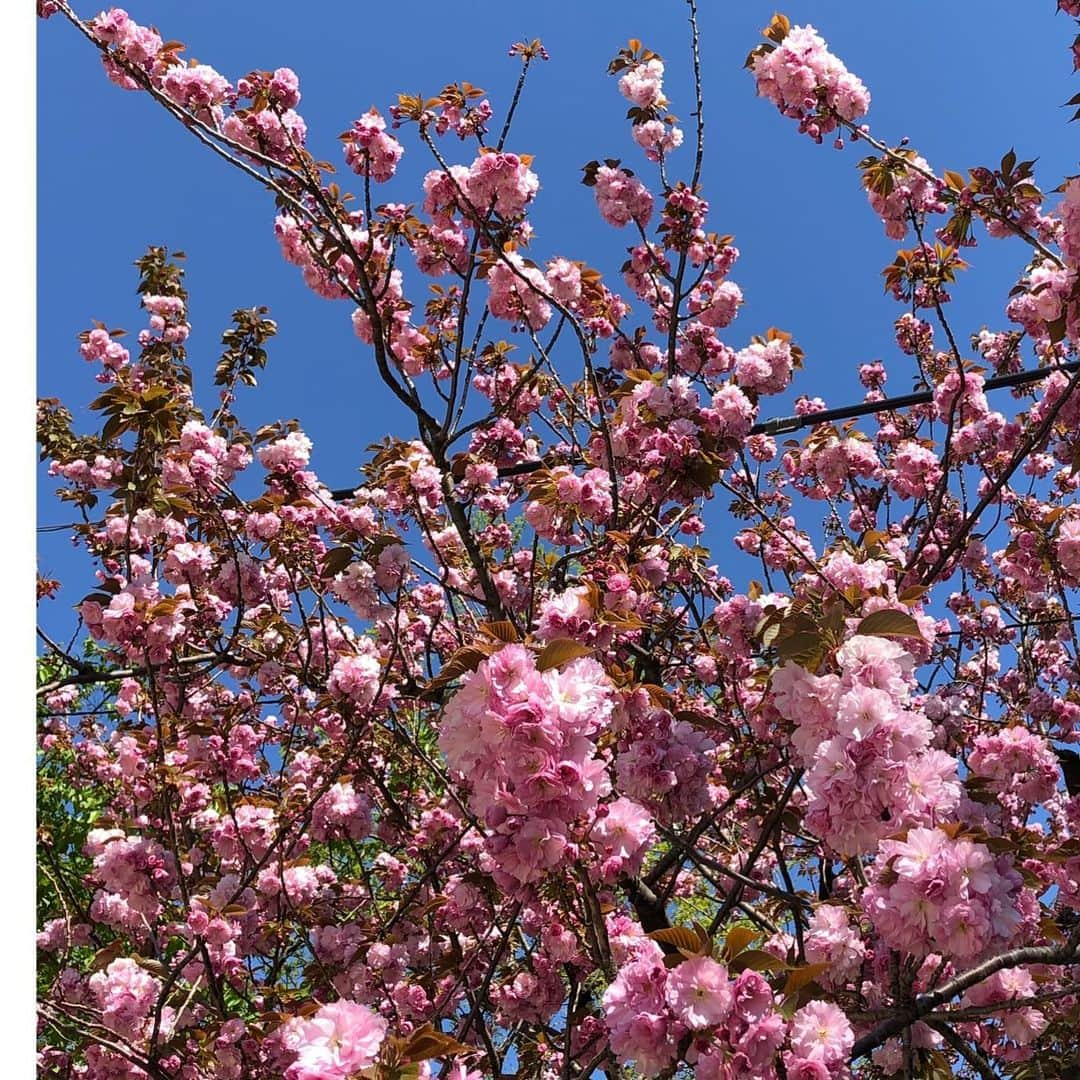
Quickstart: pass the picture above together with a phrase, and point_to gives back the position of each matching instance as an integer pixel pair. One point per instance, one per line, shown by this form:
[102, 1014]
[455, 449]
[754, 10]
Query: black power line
[784, 425]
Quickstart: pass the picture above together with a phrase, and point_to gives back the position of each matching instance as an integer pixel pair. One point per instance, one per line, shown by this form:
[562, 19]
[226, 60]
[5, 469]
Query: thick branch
[927, 1003]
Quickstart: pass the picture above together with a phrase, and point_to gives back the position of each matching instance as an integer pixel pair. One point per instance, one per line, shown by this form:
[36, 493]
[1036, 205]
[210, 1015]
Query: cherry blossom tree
[490, 767]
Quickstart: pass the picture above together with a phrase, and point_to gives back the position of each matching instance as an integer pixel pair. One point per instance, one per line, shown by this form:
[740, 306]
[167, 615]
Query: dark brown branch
[927, 1003]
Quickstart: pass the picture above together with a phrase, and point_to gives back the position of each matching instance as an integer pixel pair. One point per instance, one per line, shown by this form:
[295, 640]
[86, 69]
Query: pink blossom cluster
[716, 302]
[443, 247]
[1069, 212]
[824, 469]
[301, 247]
[60, 934]
[1007, 1034]
[765, 367]
[808, 83]
[517, 292]
[500, 181]
[99, 346]
[199, 89]
[268, 133]
[286, 455]
[870, 766]
[168, 318]
[914, 336]
[464, 120]
[138, 45]
[664, 763]
[622, 835]
[570, 614]
[357, 677]
[915, 470]
[126, 994]
[832, 939]
[133, 620]
[642, 85]
[657, 138]
[133, 872]
[580, 498]
[203, 459]
[282, 86]
[913, 191]
[1018, 764]
[934, 893]
[524, 741]
[96, 474]
[682, 225]
[1048, 295]
[621, 197]
[369, 150]
[1067, 546]
[564, 278]
[335, 1043]
[731, 1022]
[700, 352]
[444, 190]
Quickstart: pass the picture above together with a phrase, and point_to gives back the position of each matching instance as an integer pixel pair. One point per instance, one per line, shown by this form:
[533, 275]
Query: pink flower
[639, 1025]
[949, 895]
[753, 997]
[198, 89]
[656, 138]
[622, 197]
[699, 992]
[1016, 760]
[912, 191]
[126, 995]
[285, 88]
[806, 82]
[564, 278]
[517, 292]
[831, 939]
[1067, 545]
[338, 1041]
[356, 677]
[287, 455]
[642, 85]
[764, 367]
[369, 151]
[502, 182]
[716, 304]
[821, 1032]
[624, 832]
[805, 1069]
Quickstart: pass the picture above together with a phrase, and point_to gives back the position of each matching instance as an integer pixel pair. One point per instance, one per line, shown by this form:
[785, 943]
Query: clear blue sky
[116, 174]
